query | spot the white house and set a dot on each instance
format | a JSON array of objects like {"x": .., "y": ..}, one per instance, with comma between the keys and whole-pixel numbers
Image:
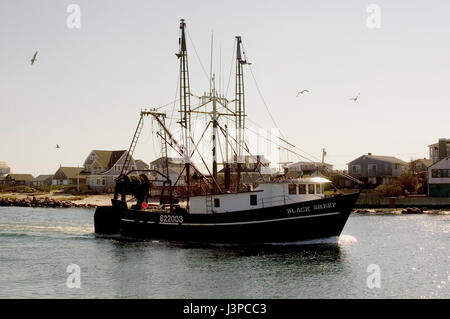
[{"x": 439, "y": 178}]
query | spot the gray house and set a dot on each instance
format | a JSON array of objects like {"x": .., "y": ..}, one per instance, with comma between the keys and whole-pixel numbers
[
  {"x": 43, "y": 180},
  {"x": 376, "y": 170},
  {"x": 102, "y": 167}
]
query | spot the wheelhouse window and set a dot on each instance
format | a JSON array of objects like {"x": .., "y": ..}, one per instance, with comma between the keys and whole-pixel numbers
[
  {"x": 310, "y": 188},
  {"x": 253, "y": 200},
  {"x": 216, "y": 202},
  {"x": 318, "y": 189},
  {"x": 302, "y": 189},
  {"x": 292, "y": 189}
]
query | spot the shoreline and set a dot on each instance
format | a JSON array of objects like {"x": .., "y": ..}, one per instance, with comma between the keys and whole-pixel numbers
[
  {"x": 62, "y": 200},
  {"x": 59, "y": 200}
]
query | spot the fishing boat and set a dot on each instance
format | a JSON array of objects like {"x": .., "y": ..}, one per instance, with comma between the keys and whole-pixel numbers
[{"x": 205, "y": 205}]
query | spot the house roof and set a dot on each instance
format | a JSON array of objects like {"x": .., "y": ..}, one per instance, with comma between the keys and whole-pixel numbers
[
  {"x": 140, "y": 164},
  {"x": 388, "y": 159},
  {"x": 107, "y": 158},
  {"x": 43, "y": 177},
  {"x": 308, "y": 163},
  {"x": 71, "y": 172},
  {"x": 171, "y": 160},
  {"x": 424, "y": 161},
  {"x": 444, "y": 159},
  {"x": 21, "y": 177}
]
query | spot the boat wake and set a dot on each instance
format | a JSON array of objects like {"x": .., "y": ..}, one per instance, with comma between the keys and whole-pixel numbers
[
  {"x": 347, "y": 240},
  {"x": 68, "y": 229},
  {"x": 340, "y": 240}
]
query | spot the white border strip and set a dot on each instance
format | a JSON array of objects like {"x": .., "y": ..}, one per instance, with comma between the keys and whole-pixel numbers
[{"x": 238, "y": 223}]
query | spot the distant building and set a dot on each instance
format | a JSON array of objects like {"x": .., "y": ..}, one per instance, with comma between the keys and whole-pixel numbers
[
  {"x": 419, "y": 165},
  {"x": 253, "y": 168},
  {"x": 308, "y": 168},
  {"x": 102, "y": 167},
  {"x": 69, "y": 176},
  {"x": 439, "y": 178},
  {"x": 18, "y": 179},
  {"x": 439, "y": 150},
  {"x": 43, "y": 180},
  {"x": 175, "y": 166},
  {"x": 376, "y": 170},
  {"x": 141, "y": 165},
  {"x": 4, "y": 169}
]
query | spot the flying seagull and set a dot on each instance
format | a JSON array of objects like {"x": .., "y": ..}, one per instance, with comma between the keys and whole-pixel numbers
[
  {"x": 354, "y": 99},
  {"x": 302, "y": 91},
  {"x": 57, "y": 146},
  {"x": 34, "y": 58}
]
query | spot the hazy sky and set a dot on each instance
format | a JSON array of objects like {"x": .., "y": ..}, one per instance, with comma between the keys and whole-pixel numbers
[{"x": 88, "y": 85}]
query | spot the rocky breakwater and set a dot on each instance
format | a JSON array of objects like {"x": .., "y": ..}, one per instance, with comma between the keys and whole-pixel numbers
[
  {"x": 409, "y": 210},
  {"x": 41, "y": 202}
]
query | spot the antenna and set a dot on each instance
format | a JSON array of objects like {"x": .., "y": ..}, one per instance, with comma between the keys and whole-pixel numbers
[{"x": 211, "y": 64}]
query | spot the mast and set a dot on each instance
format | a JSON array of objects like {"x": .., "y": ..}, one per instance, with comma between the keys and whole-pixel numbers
[
  {"x": 214, "y": 134},
  {"x": 239, "y": 107},
  {"x": 185, "y": 103}
]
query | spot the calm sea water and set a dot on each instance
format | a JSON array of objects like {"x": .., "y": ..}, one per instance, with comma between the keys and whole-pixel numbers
[{"x": 37, "y": 244}]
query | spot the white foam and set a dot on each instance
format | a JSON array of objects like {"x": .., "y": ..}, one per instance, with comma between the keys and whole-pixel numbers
[
  {"x": 66, "y": 229},
  {"x": 347, "y": 240}
]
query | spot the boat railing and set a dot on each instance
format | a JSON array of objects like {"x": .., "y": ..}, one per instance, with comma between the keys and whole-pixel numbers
[{"x": 275, "y": 200}]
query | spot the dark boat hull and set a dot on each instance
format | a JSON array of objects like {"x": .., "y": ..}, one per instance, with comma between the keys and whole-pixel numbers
[{"x": 281, "y": 224}]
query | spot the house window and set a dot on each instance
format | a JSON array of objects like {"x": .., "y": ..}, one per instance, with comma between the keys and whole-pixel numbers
[
  {"x": 440, "y": 173},
  {"x": 216, "y": 202},
  {"x": 310, "y": 188},
  {"x": 302, "y": 189},
  {"x": 372, "y": 169},
  {"x": 292, "y": 189},
  {"x": 253, "y": 200},
  {"x": 356, "y": 169},
  {"x": 98, "y": 181}
]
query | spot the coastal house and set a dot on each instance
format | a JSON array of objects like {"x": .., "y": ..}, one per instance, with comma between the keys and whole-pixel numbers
[
  {"x": 69, "y": 176},
  {"x": 439, "y": 178},
  {"x": 18, "y": 179},
  {"x": 43, "y": 180},
  {"x": 419, "y": 165},
  {"x": 175, "y": 166},
  {"x": 102, "y": 167},
  {"x": 376, "y": 170},
  {"x": 439, "y": 150},
  {"x": 300, "y": 169},
  {"x": 253, "y": 168},
  {"x": 4, "y": 169}
]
